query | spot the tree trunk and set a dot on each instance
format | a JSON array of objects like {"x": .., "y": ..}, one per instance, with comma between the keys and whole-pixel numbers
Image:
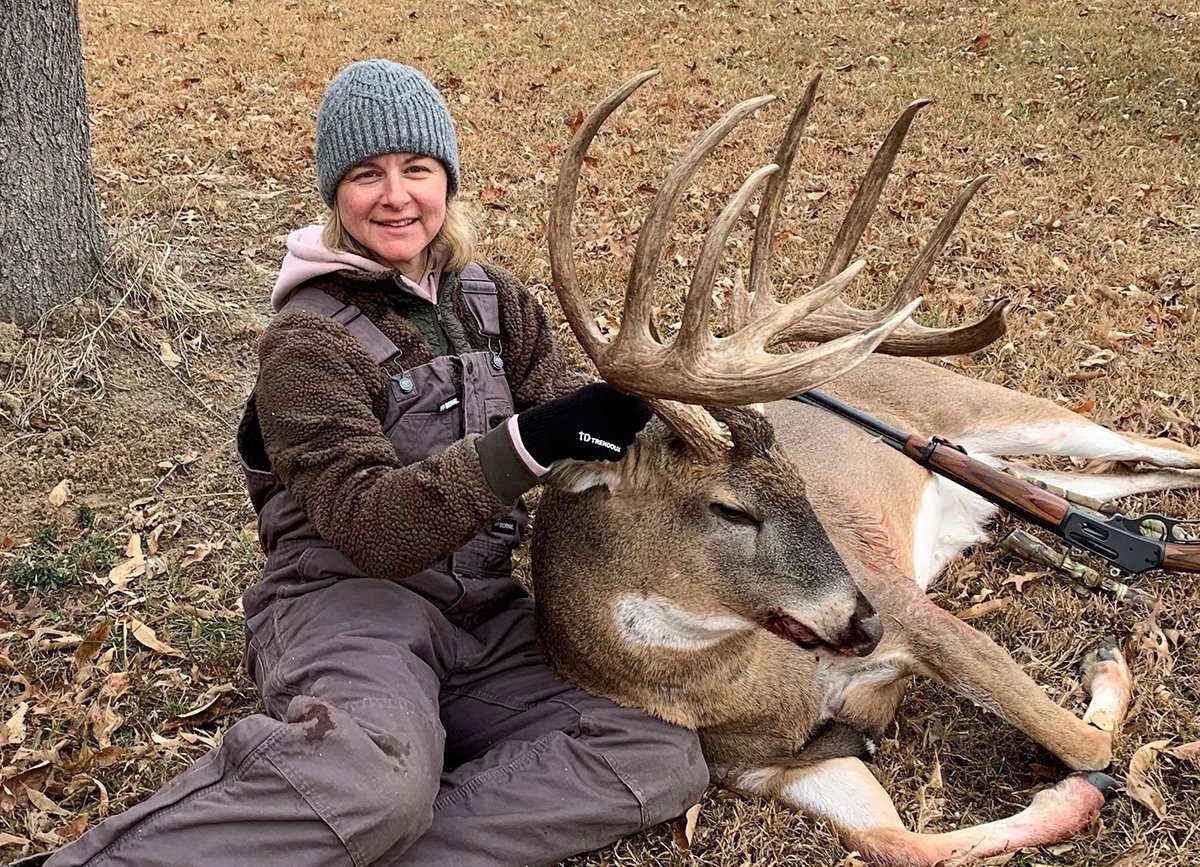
[{"x": 51, "y": 240}]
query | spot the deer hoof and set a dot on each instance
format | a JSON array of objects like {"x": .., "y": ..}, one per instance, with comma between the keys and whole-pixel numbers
[
  {"x": 1106, "y": 784},
  {"x": 1107, "y": 648},
  {"x": 1106, "y": 657}
]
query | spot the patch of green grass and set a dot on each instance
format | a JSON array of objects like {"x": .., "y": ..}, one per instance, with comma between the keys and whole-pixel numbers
[
  {"x": 94, "y": 552},
  {"x": 45, "y": 565},
  {"x": 40, "y": 566}
]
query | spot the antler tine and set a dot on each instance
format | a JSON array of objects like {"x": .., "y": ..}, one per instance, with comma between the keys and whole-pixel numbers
[
  {"x": 558, "y": 229},
  {"x": 867, "y": 197},
  {"x": 775, "y": 377},
  {"x": 764, "y": 331},
  {"x": 635, "y": 323},
  {"x": 910, "y": 338},
  {"x": 837, "y": 318},
  {"x": 694, "y": 335},
  {"x": 768, "y": 213}
]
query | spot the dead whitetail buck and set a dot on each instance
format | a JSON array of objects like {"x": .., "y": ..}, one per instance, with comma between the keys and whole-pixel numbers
[{"x": 757, "y": 573}]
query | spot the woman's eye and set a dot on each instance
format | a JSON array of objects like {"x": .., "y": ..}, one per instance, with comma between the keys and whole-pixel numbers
[{"x": 734, "y": 515}]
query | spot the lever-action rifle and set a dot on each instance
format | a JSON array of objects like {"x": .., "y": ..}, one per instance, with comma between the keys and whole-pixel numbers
[{"x": 1131, "y": 545}]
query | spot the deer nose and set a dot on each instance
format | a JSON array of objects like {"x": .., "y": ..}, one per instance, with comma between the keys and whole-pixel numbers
[{"x": 863, "y": 632}]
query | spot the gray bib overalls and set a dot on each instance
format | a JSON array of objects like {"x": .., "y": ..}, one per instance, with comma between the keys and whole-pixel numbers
[{"x": 411, "y": 721}]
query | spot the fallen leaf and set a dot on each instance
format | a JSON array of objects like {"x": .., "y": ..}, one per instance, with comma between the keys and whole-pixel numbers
[
  {"x": 45, "y": 638},
  {"x": 195, "y": 554},
  {"x": 683, "y": 829},
  {"x": 76, "y": 826},
  {"x": 61, "y": 493},
  {"x": 131, "y": 568},
  {"x": 980, "y": 43},
  {"x": 43, "y": 802},
  {"x": 14, "y": 729},
  {"x": 30, "y": 777},
  {"x": 92, "y": 644},
  {"x": 7, "y": 839},
  {"x": 1085, "y": 406},
  {"x": 80, "y": 781},
  {"x": 983, "y": 609},
  {"x": 213, "y": 704},
  {"x": 492, "y": 194},
  {"x": 147, "y": 638},
  {"x": 1187, "y": 752},
  {"x": 1019, "y": 581},
  {"x": 1134, "y": 857},
  {"x": 1098, "y": 359},
  {"x": 167, "y": 355},
  {"x": 1137, "y": 785}
]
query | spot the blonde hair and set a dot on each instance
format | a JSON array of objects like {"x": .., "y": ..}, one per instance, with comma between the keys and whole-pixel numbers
[{"x": 456, "y": 238}]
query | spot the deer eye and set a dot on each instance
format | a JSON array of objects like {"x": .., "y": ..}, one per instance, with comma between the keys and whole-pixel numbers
[{"x": 734, "y": 515}]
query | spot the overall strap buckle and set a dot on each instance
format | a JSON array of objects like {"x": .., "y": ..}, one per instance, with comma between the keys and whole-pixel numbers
[{"x": 479, "y": 294}]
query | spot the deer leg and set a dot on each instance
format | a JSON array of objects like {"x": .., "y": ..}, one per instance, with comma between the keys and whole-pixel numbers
[
  {"x": 1065, "y": 433},
  {"x": 1108, "y": 679},
  {"x": 973, "y": 665},
  {"x": 1114, "y": 485},
  {"x": 846, "y": 793}
]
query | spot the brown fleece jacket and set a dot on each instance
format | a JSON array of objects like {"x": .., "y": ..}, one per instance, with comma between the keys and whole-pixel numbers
[{"x": 320, "y": 399}]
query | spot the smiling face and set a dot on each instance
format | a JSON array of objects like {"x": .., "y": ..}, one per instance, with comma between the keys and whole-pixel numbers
[{"x": 394, "y": 205}]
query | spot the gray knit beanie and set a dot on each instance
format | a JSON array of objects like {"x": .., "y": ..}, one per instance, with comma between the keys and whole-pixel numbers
[{"x": 375, "y": 107}]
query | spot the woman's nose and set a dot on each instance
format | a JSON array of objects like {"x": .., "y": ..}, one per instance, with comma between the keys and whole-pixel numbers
[{"x": 395, "y": 191}]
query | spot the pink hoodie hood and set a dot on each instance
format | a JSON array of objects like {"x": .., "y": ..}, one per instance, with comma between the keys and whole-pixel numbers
[{"x": 308, "y": 257}]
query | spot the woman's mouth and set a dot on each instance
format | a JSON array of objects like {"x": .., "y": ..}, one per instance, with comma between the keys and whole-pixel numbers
[{"x": 396, "y": 224}]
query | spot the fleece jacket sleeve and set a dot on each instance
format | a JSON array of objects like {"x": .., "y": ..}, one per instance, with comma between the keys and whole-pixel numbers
[{"x": 319, "y": 398}]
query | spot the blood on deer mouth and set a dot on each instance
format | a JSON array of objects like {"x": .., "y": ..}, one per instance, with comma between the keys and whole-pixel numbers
[{"x": 790, "y": 629}]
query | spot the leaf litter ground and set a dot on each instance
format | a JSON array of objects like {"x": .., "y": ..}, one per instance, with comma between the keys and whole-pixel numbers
[{"x": 120, "y": 632}]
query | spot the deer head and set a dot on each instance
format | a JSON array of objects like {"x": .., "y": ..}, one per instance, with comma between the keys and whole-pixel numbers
[{"x": 703, "y": 531}]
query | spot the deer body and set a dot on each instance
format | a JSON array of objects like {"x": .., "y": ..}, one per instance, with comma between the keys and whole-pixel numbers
[
  {"x": 626, "y": 610},
  {"x": 758, "y": 574}
]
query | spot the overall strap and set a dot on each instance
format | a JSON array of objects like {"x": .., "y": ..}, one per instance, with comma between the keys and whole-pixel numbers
[
  {"x": 375, "y": 342},
  {"x": 479, "y": 293}
]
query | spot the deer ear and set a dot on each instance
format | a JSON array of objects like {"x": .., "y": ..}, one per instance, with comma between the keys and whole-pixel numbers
[{"x": 575, "y": 477}]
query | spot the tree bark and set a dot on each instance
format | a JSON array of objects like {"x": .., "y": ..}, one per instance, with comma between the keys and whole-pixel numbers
[{"x": 51, "y": 239}]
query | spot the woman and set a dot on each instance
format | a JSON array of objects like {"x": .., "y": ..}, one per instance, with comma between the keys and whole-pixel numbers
[{"x": 411, "y": 717}]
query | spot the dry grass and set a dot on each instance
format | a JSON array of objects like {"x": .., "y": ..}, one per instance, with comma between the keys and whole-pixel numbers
[{"x": 1085, "y": 116}]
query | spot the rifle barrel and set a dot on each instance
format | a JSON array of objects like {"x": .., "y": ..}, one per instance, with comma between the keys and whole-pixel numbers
[{"x": 893, "y": 436}]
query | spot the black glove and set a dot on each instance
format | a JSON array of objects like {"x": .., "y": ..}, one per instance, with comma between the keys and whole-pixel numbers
[{"x": 592, "y": 423}]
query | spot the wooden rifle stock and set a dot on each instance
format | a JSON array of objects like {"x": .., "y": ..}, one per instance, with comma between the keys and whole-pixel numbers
[
  {"x": 1028, "y": 501},
  {"x": 1182, "y": 558}
]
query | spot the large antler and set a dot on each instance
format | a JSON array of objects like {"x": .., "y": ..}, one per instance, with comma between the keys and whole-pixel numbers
[
  {"x": 698, "y": 368},
  {"x": 837, "y": 318}
]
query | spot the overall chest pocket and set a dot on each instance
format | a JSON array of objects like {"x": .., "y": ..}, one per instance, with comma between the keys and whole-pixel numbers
[{"x": 425, "y": 411}]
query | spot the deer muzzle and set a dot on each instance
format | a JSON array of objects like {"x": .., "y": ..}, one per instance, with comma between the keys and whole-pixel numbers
[
  {"x": 862, "y": 632},
  {"x": 857, "y": 636}
]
